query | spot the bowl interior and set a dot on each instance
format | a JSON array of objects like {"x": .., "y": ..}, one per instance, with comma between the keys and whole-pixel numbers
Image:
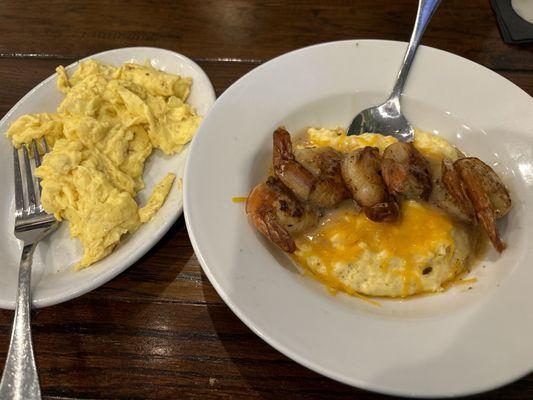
[
  {"x": 340, "y": 336},
  {"x": 338, "y": 110}
]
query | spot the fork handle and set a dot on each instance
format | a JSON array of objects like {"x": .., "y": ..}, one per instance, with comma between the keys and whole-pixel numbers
[
  {"x": 20, "y": 380},
  {"x": 426, "y": 8}
]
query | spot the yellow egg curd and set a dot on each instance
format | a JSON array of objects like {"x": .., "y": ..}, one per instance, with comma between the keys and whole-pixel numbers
[{"x": 102, "y": 133}]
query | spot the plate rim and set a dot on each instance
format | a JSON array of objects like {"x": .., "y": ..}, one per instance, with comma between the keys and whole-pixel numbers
[
  {"x": 242, "y": 315},
  {"x": 165, "y": 227}
]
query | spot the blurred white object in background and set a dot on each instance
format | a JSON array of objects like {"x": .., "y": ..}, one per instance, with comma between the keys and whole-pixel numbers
[{"x": 524, "y": 8}]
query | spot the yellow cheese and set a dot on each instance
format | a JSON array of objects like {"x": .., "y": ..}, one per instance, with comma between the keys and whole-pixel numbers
[
  {"x": 338, "y": 139},
  {"x": 346, "y": 235},
  {"x": 419, "y": 253}
]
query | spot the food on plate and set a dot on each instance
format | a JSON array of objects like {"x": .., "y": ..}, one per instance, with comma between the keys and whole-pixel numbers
[
  {"x": 102, "y": 133},
  {"x": 370, "y": 215},
  {"x": 455, "y": 189},
  {"x": 418, "y": 253},
  {"x": 157, "y": 198},
  {"x": 405, "y": 171},
  {"x": 490, "y": 198},
  {"x": 278, "y": 214},
  {"x": 361, "y": 170},
  {"x": 312, "y": 174}
]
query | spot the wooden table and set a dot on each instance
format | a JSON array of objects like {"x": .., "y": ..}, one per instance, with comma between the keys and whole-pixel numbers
[{"x": 160, "y": 330}]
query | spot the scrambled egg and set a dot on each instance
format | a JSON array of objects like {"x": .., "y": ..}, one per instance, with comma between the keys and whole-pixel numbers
[
  {"x": 419, "y": 253},
  {"x": 103, "y": 131}
]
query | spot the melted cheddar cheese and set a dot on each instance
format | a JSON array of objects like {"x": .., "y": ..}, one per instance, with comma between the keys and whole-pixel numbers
[
  {"x": 416, "y": 254},
  {"x": 338, "y": 139}
]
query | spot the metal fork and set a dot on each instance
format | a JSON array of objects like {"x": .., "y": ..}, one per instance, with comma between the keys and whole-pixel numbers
[{"x": 20, "y": 379}]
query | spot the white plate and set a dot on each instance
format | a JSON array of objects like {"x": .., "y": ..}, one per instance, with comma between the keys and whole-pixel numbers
[
  {"x": 458, "y": 342},
  {"x": 53, "y": 278}
]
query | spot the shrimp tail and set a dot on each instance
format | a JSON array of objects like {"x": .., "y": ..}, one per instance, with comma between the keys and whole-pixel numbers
[
  {"x": 299, "y": 180},
  {"x": 487, "y": 219},
  {"x": 282, "y": 146},
  {"x": 456, "y": 188},
  {"x": 483, "y": 207},
  {"x": 265, "y": 221}
]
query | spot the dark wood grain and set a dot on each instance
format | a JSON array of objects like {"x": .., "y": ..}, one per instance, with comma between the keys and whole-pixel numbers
[
  {"x": 19, "y": 75},
  {"x": 257, "y": 30},
  {"x": 159, "y": 330}
]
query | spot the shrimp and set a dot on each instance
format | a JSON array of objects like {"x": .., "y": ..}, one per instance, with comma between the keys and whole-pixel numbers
[
  {"x": 278, "y": 214},
  {"x": 361, "y": 170},
  {"x": 405, "y": 171},
  {"x": 491, "y": 183},
  {"x": 489, "y": 196},
  {"x": 325, "y": 165},
  {"x": 312, "y": 174},
  {"x": 456, "y": 188},
  {"x": 287, "y": 169},
  {"x": 443, "y": 199}
]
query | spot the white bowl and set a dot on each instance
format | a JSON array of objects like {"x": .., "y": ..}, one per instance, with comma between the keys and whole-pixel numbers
[
  {"x": 455, "y": 343},
  {"x": 53, "y": 278}
]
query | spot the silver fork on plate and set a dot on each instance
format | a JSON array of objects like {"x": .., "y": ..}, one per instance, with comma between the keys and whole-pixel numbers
[
  {"x": 387, "y": 118},
  {"x": 20, "y": 379}
]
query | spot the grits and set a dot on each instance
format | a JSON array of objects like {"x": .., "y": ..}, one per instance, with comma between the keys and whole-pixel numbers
[{"x": 417, "y": 254}]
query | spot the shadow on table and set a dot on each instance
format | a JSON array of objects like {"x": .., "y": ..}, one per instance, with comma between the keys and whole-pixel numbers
[{"x": 153, "y": 273}]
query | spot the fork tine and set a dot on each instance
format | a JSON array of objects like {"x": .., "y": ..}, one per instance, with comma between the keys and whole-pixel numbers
[
  {"x": 19, "y": 200},
  {"x": 29, "y": 181},
  {"x": 45, "y": 146},
  {"x": 36, "y": 154},
  {"x": 37, "y": 158}
]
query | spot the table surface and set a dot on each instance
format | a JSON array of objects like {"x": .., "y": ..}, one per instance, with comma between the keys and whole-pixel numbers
[{"x": 160, "y": 330}]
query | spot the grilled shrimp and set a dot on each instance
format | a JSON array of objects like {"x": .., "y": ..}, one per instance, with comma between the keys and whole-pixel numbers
[
  {"x": 405, "y": 171},
  {"x": 489, "y": 196},
  {"x": 325, "y": 165},
  {"x": 313, "y": 174},
  {"x": 278, "y": 214},
  {"x": 443, "y": 199},
  {"x": 456, "y": 188},
  {"x": 491, "y": 183},
  {"x": 361, "y": 170}
]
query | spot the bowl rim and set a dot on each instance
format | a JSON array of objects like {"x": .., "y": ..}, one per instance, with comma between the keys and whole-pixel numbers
[{"x": 242, "y": 315}]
